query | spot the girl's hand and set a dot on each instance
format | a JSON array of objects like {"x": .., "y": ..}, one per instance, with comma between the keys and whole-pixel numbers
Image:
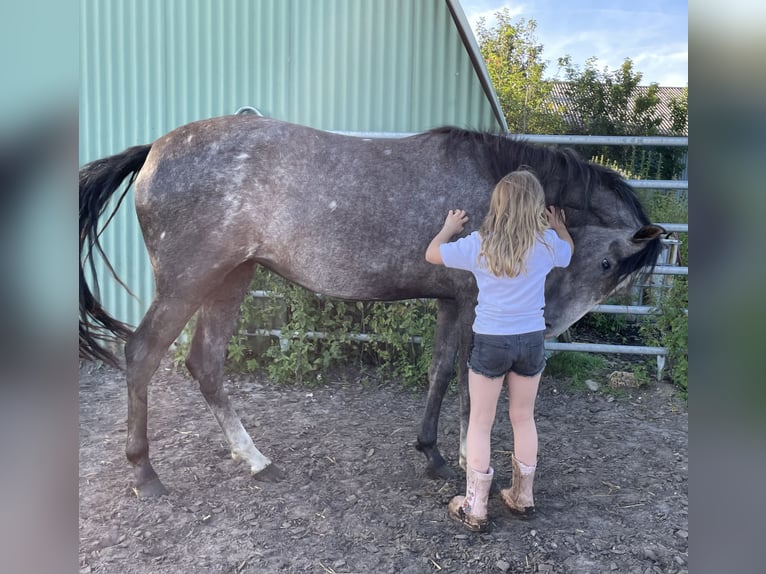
[
  {"x": 455, "y": 221},
  {"x": 453, "y": 225},
  {"x": 557, "y": 220},
  {"x": 556, "y": 217}
]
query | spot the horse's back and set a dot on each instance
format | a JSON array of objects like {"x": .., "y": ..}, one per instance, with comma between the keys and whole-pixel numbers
[{"x": 346, "y": 216}]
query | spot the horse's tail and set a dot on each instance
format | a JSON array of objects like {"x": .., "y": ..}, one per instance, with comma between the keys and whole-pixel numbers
[{"x": 99, "y": 180}]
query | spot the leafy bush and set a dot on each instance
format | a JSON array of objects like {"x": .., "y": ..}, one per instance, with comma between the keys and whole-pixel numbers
[
  {"x": 670, "y": 328},
  {"x": 317, "y": 333}
]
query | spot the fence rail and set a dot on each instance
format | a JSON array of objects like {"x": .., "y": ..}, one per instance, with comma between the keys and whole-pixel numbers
[{"x": 671, "y": 141}]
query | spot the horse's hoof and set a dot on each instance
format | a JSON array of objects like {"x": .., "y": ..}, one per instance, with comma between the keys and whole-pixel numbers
[
  {"x": 150, "y": 489},
  {"x": 271, "y": 473},
  {"x": 437, "y": 467},
  {"x": 440, "y": 472}
]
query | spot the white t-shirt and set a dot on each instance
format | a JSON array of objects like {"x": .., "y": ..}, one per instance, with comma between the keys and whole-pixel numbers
[{"x": 509, "y": 305}]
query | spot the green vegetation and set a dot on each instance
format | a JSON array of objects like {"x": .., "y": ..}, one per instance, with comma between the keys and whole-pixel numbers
[
  {"x": 670, "y": 328},
  {"x": 577, "y": 367},
  {"x": 317, "y": 335}
]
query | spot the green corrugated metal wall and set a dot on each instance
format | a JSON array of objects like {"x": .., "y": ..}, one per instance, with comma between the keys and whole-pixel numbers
[{"x": 148, "y": 66}]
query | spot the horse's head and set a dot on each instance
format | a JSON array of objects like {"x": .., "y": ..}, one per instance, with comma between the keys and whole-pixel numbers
[{"x": 605, "y": 259}]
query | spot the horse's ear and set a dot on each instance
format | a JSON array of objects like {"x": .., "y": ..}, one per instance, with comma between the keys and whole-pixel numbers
[{"x": 647, "y": 233}]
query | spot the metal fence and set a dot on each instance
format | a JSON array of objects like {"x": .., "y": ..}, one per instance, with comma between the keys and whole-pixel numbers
[{"x": 667, "y": 265}]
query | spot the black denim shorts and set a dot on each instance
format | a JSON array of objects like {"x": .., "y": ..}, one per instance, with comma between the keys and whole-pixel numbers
[{"x": 494, "y": 355}]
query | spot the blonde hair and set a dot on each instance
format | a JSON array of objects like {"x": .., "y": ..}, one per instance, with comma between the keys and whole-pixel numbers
[{"x": 515, "y": 220}]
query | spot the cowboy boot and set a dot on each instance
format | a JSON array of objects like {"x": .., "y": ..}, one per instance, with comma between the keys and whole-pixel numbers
[
  {"x": 471, "y": 510},
  {"x": 519, "y": 497}
]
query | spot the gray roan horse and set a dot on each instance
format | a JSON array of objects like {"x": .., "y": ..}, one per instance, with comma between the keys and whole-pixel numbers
[{"x": 342, "y": 216}]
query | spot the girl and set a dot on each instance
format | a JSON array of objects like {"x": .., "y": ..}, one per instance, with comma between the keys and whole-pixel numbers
[{"x": 517, "y": 245}]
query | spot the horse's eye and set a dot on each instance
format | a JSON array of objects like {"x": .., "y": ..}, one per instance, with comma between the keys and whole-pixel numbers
[{"x": 605, "y": 264}]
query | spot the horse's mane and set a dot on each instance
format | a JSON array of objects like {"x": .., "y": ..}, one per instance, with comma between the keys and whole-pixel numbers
[{"x": 501, "y": 154}]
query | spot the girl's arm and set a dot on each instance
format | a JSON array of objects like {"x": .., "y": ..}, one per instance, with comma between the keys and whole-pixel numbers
[{"x": 453, "y": 224}]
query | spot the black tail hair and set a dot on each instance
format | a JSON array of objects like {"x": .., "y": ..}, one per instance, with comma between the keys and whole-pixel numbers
[{"x": 99, "y": 180}]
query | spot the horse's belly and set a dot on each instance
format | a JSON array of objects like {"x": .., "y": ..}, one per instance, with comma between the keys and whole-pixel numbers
[{"x": 367, "y": 281}]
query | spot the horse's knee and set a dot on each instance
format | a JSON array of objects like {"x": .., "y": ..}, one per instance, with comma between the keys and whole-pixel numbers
[
  {"x": 210, "y": 385},
  {"x": 204, "y": 369},
  {"x": 193, "y": 364},
  {"x": 194, "y": 355},
  {"x": 441, "y": 369},
  {"x": 205, "y": 359}
]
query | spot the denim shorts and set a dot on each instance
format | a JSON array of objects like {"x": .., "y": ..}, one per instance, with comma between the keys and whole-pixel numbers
[{"x": 495, "y": 355}]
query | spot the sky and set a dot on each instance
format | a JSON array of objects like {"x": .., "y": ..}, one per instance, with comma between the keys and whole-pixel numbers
[{"x": 652, "y": 33}]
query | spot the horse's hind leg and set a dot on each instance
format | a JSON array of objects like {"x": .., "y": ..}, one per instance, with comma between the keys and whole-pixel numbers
[
  {"x": 144, "y": 350},
  {"x": 216, "y": 321}
]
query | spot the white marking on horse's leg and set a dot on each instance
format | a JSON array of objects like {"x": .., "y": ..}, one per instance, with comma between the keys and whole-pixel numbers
[{"x": 242, "y": 446}]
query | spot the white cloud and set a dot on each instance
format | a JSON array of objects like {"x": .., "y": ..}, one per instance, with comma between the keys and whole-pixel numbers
[{"x": 477, "y": 10}]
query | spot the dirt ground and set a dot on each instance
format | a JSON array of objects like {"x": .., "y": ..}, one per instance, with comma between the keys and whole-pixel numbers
[{"x": 611, "y": 488}]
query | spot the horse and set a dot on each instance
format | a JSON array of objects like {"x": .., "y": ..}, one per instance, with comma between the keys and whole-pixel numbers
[{"x": 343, "y": 216}]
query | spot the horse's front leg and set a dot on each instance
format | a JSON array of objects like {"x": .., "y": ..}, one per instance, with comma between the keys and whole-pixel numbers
[
  {"x": 216, "y": 321},
  {"x": 440, "y": 372}
]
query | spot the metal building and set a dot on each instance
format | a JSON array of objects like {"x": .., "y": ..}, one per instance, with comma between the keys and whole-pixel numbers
[{"x": 341, "y": 65}]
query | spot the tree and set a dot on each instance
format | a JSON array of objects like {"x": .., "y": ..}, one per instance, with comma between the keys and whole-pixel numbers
[
  {"x": 679, "y": 111},
  {"x": 514, "y": 62},
  {"x": 607, "y": 102}
]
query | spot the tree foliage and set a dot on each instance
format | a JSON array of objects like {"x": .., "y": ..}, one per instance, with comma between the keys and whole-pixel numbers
[
  {"x": 604, "y": 102},
  {"x": 600, "y": 101},
  {"x": 679, "y": 111},
  {"x": 514, "y": 62}
]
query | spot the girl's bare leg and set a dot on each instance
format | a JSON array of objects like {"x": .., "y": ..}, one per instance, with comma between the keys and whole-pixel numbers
[
  {"x": 522, "y": 392},
  {"x": 484, "y": 395}
]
